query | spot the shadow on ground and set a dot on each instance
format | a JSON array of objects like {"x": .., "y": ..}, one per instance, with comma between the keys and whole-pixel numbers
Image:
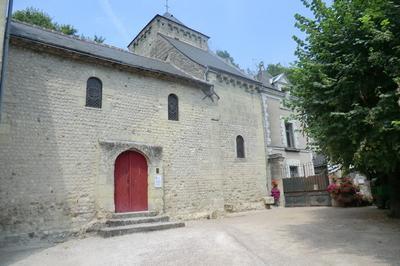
[
  {"x": 10, "y": 255},
  {"x": 350, "y": 231}
]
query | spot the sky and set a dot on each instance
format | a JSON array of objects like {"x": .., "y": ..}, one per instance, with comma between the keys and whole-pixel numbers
[{"x": 250, "y": 30}]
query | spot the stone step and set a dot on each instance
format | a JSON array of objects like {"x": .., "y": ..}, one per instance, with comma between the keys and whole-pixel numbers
[
  {"x": 138, "y": 228},
  {"x": 137, "y": 220},
  {"x": 123, "y": 215}
]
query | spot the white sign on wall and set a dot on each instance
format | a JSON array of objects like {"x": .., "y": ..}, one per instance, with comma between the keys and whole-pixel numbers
[{"x": 158, "y": 181}]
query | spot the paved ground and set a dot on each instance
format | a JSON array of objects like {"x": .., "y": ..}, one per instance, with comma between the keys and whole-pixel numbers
[{"x": 295, "y": 236}]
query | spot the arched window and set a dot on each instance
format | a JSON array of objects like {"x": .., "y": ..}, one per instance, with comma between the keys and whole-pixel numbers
[
  {"x": 240, "y": 147},
  {"x": 173, "y": 107},
  {"x": 94, "y": 92}
]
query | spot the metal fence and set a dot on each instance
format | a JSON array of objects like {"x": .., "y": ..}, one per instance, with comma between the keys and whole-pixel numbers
[
  {"x": 306, "y": 184},
  {"x": 300, "y": 170}
]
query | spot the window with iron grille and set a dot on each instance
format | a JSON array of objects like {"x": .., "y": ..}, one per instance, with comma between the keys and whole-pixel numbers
[
  {"x": 173, "y": 107},
  {"x": 240, "y": 147},
  {"x": 294, "y": 171},
  {"x": 94, "y": 93}
]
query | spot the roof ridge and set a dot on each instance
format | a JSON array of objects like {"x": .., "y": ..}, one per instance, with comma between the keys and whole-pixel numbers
[
  {"x": 170, "y": 16},
  {"x": 158, "y": 15},
  {"x": 74, "y": 37},
  {"x": 193, "y": 77},
  {"x": 55, "y": 39},
  {"x": 167, "y": 39},
  {"x": 212, "y": 54},
  {"x": 231, "y": 65}
]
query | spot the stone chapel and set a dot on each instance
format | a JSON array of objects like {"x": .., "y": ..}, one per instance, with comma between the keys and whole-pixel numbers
[{"x": 89, "y": 130}]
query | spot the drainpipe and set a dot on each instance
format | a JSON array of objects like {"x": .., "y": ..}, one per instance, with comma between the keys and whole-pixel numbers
[
  {"x": 265, "y": 123},
  {"x": 4, "y": 62}
]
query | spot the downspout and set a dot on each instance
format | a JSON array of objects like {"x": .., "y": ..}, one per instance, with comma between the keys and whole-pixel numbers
[
  {"x": 264, "y": 118},
  {"x": 4, "y": 62}
]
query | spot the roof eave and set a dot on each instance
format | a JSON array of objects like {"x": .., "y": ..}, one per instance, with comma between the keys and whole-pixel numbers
[
  {"x": 238, "y": 76},
  {"x": 210, "y": 67},
  {"x": 111, "y": 60}
]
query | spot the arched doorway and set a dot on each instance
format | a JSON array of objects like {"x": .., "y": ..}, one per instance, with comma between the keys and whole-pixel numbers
[{"x": 130, "y": 178}]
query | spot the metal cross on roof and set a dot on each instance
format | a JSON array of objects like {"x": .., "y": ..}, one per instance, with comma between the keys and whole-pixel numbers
[{"x": 166, "y": 5}]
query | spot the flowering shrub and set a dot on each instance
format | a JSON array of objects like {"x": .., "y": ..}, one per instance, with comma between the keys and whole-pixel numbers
[
  {"x": 346, "y": 194},
  {"x": 333, "y": 188}
]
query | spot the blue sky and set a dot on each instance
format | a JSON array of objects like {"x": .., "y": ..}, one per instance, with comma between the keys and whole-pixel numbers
[{"x": 250, "y": 30}]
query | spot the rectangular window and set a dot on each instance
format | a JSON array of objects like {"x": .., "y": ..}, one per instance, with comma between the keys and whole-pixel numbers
[
  {"x": 294, "y": 171},
  {"x": 289, "y": 135}
]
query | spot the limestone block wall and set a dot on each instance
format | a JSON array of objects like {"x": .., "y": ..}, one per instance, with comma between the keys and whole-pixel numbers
[
  {"x": 54, "y": 150},
  {"x": 144, "y": 41},
  {"x": 244, "y": 179},
  {"x": 3, "y": 16}
]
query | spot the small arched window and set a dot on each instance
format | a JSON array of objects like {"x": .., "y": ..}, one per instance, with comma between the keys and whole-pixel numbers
[
  {"x": 173, "y": 107},
  {"x": 94, "y": 91},
  {"x": 240, "y": 147}
]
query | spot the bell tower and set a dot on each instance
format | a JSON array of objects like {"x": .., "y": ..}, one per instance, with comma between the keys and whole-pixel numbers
[{"x": 167, "y": 25}]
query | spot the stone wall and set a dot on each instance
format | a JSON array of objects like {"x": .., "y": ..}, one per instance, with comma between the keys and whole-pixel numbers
[
  {"x": 3, "y": 16},
  {"x": 56, "y": 155},
  {"x": 146, "y": 38},
  {"x": 241, "y": 114},
  {"x": 163, "y": 50}
]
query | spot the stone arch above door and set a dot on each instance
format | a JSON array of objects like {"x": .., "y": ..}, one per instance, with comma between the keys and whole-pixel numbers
[
  {"x": 109, "y": 151},
  {"x": 131, "y": 182}
]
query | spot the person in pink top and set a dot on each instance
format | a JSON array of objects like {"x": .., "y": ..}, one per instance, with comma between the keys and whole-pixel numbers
[{"x": 275, "y": 193}]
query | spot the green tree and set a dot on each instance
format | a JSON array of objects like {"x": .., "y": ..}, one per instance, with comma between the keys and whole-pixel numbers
[
  {"x": 98, "y": 39},
  {"x": 225, "y": 55},
  {"x": 276, "y": 69},
  {"x": 37, "y": 17},
  {"x": 346, "y": 85},
  {"x": 34, "y": 16},
  {"x": 66, "y": 29}
]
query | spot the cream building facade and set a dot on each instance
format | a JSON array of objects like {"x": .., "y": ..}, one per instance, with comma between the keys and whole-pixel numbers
[{"x": 287, "y": 145}]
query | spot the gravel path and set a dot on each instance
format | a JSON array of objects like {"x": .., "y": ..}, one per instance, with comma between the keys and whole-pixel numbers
[{"x": 292, "y": 236}]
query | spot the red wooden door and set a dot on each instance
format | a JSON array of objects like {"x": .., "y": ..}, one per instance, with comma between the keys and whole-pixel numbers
[{"x": 130, "y": 175}]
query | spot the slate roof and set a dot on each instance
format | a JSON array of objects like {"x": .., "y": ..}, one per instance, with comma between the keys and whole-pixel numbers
[
  {"x": 206, "y": 58},
  {"x": 277, "y": 78},
  {"x": 174, "y": 19},
  {"x": 92, "y": 49},
  {"x": 265, "y": 78}
]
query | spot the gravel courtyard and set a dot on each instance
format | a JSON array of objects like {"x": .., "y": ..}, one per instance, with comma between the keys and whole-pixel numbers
[{"x": 292, "y": 236}]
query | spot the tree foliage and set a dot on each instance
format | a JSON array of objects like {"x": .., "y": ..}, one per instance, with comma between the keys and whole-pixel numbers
[
  {"x": 39, "y": 18},
  {"x": 276, "y": 69},
  {"x": 347, "y": 82},
  {"x": 226, "y": 55}
]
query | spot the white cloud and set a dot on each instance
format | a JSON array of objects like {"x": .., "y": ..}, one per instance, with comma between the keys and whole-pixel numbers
[{"x": 107, "y": 8}]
